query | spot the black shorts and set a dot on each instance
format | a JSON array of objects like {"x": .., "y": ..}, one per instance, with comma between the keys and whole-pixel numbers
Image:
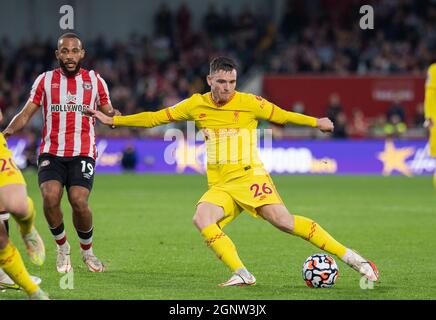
[{"x": 70, "y": 171}]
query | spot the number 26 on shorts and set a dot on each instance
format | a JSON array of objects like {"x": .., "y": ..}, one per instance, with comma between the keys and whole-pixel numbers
[{"x": 258, "y": 190}]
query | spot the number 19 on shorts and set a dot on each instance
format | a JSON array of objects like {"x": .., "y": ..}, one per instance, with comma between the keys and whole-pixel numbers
[{"x": 87, "y": 169}]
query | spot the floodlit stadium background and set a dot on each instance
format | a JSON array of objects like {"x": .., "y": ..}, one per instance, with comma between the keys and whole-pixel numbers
[{"x": 306, "y": 56}]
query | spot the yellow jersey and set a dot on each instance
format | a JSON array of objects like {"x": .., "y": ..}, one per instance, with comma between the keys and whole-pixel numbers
[
  {"x": 430, "y": 93},
  {"x": 9, "y": 172},
  {"x": 430, "y": 105},
  {"x": 3, "y": 143},
  {"x": 229, "y": 129}
]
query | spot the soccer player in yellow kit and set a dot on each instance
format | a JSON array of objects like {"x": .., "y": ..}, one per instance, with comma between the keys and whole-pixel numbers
[
  {"x": 430, "y": 110},
  {"x": 14, "y": 199},
  {"x": 236, "y": 177}
]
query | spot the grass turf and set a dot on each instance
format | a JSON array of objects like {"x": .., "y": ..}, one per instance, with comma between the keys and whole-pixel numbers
[{"x": 143, "y": 231}]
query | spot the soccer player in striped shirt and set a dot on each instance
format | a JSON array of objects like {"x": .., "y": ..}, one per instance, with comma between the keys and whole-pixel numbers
[
  {"x": 68, "y": 151},
  {"x": 237, "y": 178}
]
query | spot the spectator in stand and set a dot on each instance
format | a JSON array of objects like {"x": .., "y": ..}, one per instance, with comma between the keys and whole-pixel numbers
[
  {"x": 341, "y": 127},
  {"x": 163, "y": 21},
  {"x": 212, "y": 21},
  {"x": 334, "y": 107},
  {"x": 397, "y": 109},
  {"x": 419, "y": 116},
  {"x": 395, "y": 128},
  {"x": 359, "y": 125}
]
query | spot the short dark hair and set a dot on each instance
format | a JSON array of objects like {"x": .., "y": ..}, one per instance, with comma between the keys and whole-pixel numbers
[
  {"x": 222, "y": 63},
  {"x": 69, "y": 35}
]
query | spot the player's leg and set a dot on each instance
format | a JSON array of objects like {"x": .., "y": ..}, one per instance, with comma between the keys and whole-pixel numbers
[
  {"x": 434, "y": 179},
  {"x": 14, "y": 199},
  {"x": 12, "y": 263},
  {"x": 79, "y": 186},
  {"x": 205, "y": 219},
  {"x": 5, "y": 281},
  {"x": 82, "y": 220},
  {"x": 52, "y": 191},
  {"x": 214, "y": 210},
  {"x": 432, "y": 142},
  {"x": 279, "y": 216},
  {"x": 52, "y": 177}
]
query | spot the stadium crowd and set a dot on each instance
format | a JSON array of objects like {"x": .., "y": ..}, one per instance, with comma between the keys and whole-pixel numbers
[{"x": 145, "y": 73}]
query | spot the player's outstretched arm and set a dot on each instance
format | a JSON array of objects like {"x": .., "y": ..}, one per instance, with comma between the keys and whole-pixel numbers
[
  {"x": 21, "y": 119},
  {"x": 278, "y": 115},
  {"x": 142, "y": 119}
]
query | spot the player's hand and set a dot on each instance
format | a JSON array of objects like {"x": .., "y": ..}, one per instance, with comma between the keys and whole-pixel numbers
[
  {"x": 100, "y": 116},
  {"x": 428, "y": 123},
  {"x": 117, "y": 112},
  {"x": 1, "y": 116},
  {"x": 325, "y": 125}
]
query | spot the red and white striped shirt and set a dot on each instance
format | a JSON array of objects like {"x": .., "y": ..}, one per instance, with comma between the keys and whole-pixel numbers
[{"x": 67, "y": 131}]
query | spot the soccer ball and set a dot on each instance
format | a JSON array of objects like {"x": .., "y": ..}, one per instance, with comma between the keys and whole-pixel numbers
[{"x": 320, "y": 271}]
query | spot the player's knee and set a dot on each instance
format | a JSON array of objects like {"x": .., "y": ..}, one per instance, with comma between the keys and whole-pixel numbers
[
  {"x": 207, "y": 214},
  {"x": 198, "y": 221},
  {"x": 17, "y": 207},
  {"x": 51, "y": 197},
  {"x": 202, "y": 219},
  {"x": 281, "y": 219},
  {"x": 79, "y": 204},
  {"x": 51, "y": 201}
]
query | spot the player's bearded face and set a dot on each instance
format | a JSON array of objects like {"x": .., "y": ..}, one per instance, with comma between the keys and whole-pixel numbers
[
  {"x": 70, "y": 55},
  {"x": 222, "y": 85},
  {"x": 70, "y": 67}
]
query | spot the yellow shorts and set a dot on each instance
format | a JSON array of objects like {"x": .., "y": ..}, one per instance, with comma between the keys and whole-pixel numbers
[
  {"x": 9, "y": 172},
  {"x": 245, "y": 193},
  {"x": 432, "y": 141}
]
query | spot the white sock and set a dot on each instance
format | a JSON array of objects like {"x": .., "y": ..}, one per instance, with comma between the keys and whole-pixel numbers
[
  {"x": 64, "y": 247},
  {"x": 89, "y": 251},
  {"x": 4, "y": 277}
]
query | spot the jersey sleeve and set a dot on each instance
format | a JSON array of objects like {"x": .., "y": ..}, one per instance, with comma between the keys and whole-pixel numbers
[
  {"x": 102, "y": 92},
  {"x": 181, "y": 110},
  {"x": 175, "y": 113},
  {"x": 267, "y": 110},
  {"x": 430, "y": 93},
  {"x": 37, "y": 93}
]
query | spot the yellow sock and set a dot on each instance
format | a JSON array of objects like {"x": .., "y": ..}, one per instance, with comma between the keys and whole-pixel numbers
[
  {"x": 311, "y": 231},
  {"x": 12, "y": 264},
  {"x": 223, "y": 247},
  {"x": 26, "y": 223}
]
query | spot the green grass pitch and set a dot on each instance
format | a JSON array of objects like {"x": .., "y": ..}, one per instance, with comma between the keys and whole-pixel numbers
[{"x": 144, "y": 233}]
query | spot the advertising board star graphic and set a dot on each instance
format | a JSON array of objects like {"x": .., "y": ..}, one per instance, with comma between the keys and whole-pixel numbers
[{"x": 395, "y": 159}]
